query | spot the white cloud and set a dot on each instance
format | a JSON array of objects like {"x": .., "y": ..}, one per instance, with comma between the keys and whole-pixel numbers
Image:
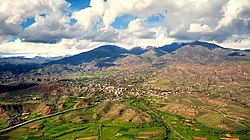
[
  {"x": 135, "y": 25},
  {"x": 159, "y": 38},
  {"x": 184, "y": 16},
  {"x": 136, "y": 28},
  {"x": 87, "y": 17},
  {"x": 50, "y": 28},
  {"x": 106, "y": 12},
  {"x": 62, "y": 48},
  {"x": 14, "y": 12},
  {"x": 115, "y": 8},
  {"x": 4, "y": 39},
  {"x": 212, "y": 20},
  {"x": 231, "y": 10},
  {"x": 40, "y": 49},
  {"x": 199, "y": 28},
  {"x": 237, "y": 42}
]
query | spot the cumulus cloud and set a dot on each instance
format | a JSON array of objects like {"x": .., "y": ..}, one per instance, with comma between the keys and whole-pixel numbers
[
  {"x": 15, "y": 12},
  {"x": 89, "y": 16},
  {"x": 29, "y": 49},
  {"x": 136, "y": 28},
  {"x": 231, "y": 10},
  {"x": 4, "y": 39},
  {"x": 226, "y": 22},
  {"x": 199, "y": 28},
  {"x": 48, "y": 29},
  {"x": 237, "y": 41}
]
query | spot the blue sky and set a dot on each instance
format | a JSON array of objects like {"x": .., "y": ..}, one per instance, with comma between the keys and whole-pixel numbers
[
  {"x": 79, "y": 4},
  {"x": 76, "y": 5},
  {"x": 120, "y": 22}
]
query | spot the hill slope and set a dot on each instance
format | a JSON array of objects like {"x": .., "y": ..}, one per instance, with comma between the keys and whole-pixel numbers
[{"x": 98, "y": 53}]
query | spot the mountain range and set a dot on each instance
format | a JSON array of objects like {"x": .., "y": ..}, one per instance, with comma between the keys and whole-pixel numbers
[{"x": 117, "y": 57}]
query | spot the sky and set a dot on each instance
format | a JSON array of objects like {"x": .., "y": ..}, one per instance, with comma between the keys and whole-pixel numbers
[{"x": 65, "y": 27}]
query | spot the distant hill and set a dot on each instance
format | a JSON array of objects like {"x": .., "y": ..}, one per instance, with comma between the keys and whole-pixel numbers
[
  {"x": 23, "y": 60},
  {"x": 18, "y": 65},
  {"x": 95, "y": 54}
]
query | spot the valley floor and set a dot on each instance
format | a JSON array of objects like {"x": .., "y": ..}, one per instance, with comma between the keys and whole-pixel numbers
[{"x": 173, "y": 102}]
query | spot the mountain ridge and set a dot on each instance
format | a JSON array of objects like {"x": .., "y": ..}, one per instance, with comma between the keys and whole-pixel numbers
[
  {"x": 114, "y": 56},
  {"x": 114, "y": 51}
]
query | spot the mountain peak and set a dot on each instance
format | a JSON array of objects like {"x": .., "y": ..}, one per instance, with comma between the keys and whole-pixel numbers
[
  {"x": 95, "y": 54},
  {"x": 176, "y": 45},
  {"x": 150, "y": 47},
  {"x": 111, "y": 48},
  {"x": 137, "y": 50},
  {"x": 210, "y": 46}
]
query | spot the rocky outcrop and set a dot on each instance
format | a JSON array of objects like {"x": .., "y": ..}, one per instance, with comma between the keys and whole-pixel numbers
[
  {"x": 17, "y": 108},
  {"x": 1, "y": 110},
  {"x": 132, "y": 115},
  {"x": 80, "y": 104},
  {"x": 125, "y": 113},
  {"x": 61, "y": 107},
  {"x": 116, "y": 111},
  {"x": 44, "y": 109}
]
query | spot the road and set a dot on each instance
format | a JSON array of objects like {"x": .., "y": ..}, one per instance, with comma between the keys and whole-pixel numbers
[
  {"x": 168, "y": 125},
  {"x": 36, "y": 119},
  {"x": 99, "y": 132}
]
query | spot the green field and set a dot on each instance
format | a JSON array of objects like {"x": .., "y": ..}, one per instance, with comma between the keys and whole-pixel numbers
[{"x": 91, "y": 75}]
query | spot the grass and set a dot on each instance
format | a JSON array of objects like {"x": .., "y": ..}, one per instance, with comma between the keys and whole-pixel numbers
[
  {"x": 130, "y": 132},
  {"x": 2, "y": 125},
  {"x": 162, "y": 83},
  {"x": 89, "y": 132},
  {"x": 20, "y": 133},
  {"x": 153, "y": 132},
  {"x": 189, "y": 129},
  {"x": 217, "y": 121},
  {"x": 7, "y": 103},
  {"x": 59, "y": 127},
  {"x": 192, "y": 101},
  {"x": 31, "y": 101},
  {"x": 91, "y": 75},
  {"x": 69, "y": 105},
  {"x": 178, "y": 123},
  {"x": 201, "y": 129},
  {"x": 211, "y": 120},
  {"x": 109, "y": 133}
]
